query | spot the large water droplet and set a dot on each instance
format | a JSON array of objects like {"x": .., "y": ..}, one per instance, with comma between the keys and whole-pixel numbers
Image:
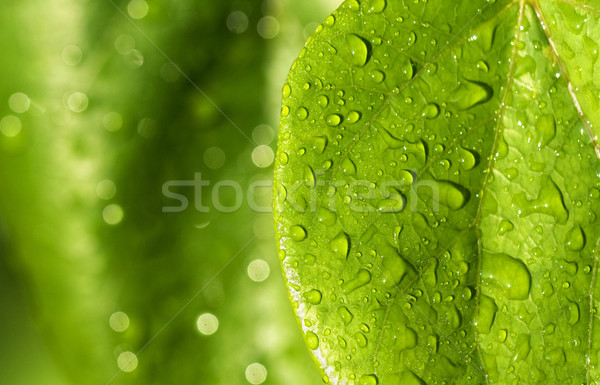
[
  {"x": 353, "y": 117},
  {"x": 326, "y": 216},
  {"x": 298, "y": 233},
  {"x": 358, "y": 50},
  {"x": 369, "y": 379},
  {"x": 505, "y": 227},
  {"x": 287, "y": 91},
  {"x": 333, "y": 120},
  {"x": 467, "y": 158},
  {"x": 393, "y": 204},
  {"x": 430, "y": 111},
  {"x": 345, "y": 315},
  {"x": 550, "y": 201},
  {"x": 312, "y": 341},
  {"x": 302, "y": 113},
  {"x": 360, "y": 339},
  {"x": 487, "y": 313},
  {"x": 375, "y": 6},
  {"x": 573, "y": 313},
  {"x": 377, "y": 76},
  {"x": 329, "y": 21},
  {"x": 320, "y": 143},
  {"x": 340, "y": 245},
  {"x": 310, "y": 179},
  {"x": 522, "y": 347},
  {"x": 362, "y": 278},
  {"x": 575, "y": 239},
  {"x": 452, "y": 195},
  {"x": 348, "y": 166},
  {"x": 506, "y": 275},
  {"x": 546, "y": 129},
  {"x": 470, "y": 94},
  {"x": 313, "y": 297}
]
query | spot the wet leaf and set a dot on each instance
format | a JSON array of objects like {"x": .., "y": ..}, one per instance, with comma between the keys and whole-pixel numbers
[{"x": 459, "y": 172}]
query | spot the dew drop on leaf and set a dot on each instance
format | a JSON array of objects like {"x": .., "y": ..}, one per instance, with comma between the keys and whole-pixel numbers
[
  {"x": 369, "y": 379},
  {"x": 487, "y": 314},
  {"x": 334, "y": 120},
  {"x": 358, "y": 50},
  {"x": 345, "y": 315},
  {"x": 313, "y": 297},
  {"x": 340, "y": 245},
  {"x": 374, "y": 6},
  {"x": 312, "y": 341},
  {"x": 505, "y": 275},
  {"x": 470, "y": 94},
  {"x": 575, "y": 239},
  {"x": 431, "y": 111},
  {"x": 298, "y": 233},
  {"x": 362, "y": 278},
  {"x": 326, "y": 216},
  {"x": 545, "y": 127},
  {"x": 353, "y": 117}
]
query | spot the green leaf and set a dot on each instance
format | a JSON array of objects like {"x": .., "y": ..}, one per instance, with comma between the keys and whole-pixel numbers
[{"x": 438, "y": 192}]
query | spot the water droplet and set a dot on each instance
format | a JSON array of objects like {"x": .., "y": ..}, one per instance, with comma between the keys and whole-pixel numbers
[
  {"x": 302, "y": 113},
  {"x": 452, "y": 195},
  {"x": 334, "y": 120},
  {"x": 287, "y": 91},
  {"x": 310, "y": 180},
  {"x": 550, "y": 201},
  {"x": 298, "y": 233},
  {"x": 360, "y": 339},
  {"x": 501, "y": 148},
  {"x": 467, "y": 158},
  {"x": 323, "y": 101},
  {"x": 353, "y": 117},
  {"x": 369, "y": 379},
  {"x": 506, "y": 275},
  {"x": 573, "y": 313},
  {"x": 326, "y": 216},
  {"x": 348, "y": 166},
  {"x": 395, "y": 203},
  {"x": 505, "y": 227},
  {"x": 285, "y": 111},
  {"x": 312, "y": 341},
  {"x": 502, "y": 334},
  {"x": 470, "y": 94},
  {"x": 313, "y": 297},
  {"x": 375, "y": 6},
  {"x": 576, "y": 239},
  {"x": 320, "y": 143},
  {"x": 487, "y": 313},
  {"x": 345, "y": 315},
  {"x": 329, "y": 21},
  {"x": 412, "y": 38},
  {"x": 408, "y": 70},
  {"x": 546, "y": 129},
  {"x": 358, "y": 50},
  {"x": 522, "y": 347},
  {"x": 340, "y": 245},
  {"x": 377, "y": 76},
  {"x": 362, "y": 278},
  {"x": 482, "y": 66},
  {"x": 431, "y": 111}
]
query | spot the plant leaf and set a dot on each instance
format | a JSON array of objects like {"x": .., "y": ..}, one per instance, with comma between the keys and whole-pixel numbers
[{"x": 437, "y": 192}]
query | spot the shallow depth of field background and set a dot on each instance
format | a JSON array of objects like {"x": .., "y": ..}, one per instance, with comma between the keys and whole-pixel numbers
[{"x": 104, "y": 277}]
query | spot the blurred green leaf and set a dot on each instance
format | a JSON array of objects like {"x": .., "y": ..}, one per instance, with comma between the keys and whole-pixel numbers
[{"x": 438, "y": 192}]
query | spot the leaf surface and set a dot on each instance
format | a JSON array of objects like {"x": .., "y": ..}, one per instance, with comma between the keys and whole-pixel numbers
[{"x": 437, "y": 192}]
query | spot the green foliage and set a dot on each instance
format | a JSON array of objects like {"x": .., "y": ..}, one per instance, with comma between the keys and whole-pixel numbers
[{"x": 438, "y": 192}]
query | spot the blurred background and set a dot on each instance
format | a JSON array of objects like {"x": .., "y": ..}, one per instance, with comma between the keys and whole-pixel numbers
[{"x": 137, "y": 140}]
